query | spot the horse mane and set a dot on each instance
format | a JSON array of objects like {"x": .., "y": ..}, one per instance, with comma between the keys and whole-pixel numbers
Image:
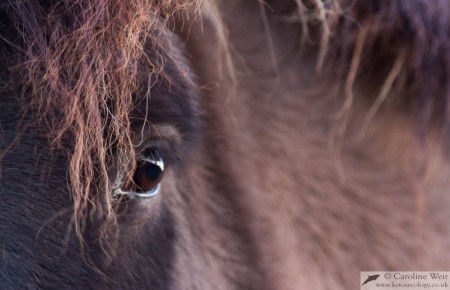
[{"x": 78, "y": 60}]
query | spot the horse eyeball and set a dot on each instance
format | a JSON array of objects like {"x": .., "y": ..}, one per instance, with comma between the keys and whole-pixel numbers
[{"x": 149, "y": 173}]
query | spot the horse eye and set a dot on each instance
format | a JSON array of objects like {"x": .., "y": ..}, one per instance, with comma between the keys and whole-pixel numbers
[
  {"x": 148, "y": 174},
  {"x": 146, "y": 178}
]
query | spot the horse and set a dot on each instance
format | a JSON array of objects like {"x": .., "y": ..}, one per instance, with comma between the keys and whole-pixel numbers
[{"x": 222, "y": 144}]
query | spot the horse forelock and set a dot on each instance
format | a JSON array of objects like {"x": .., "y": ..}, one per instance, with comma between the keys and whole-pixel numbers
[{"x": 77, "y": 68}]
